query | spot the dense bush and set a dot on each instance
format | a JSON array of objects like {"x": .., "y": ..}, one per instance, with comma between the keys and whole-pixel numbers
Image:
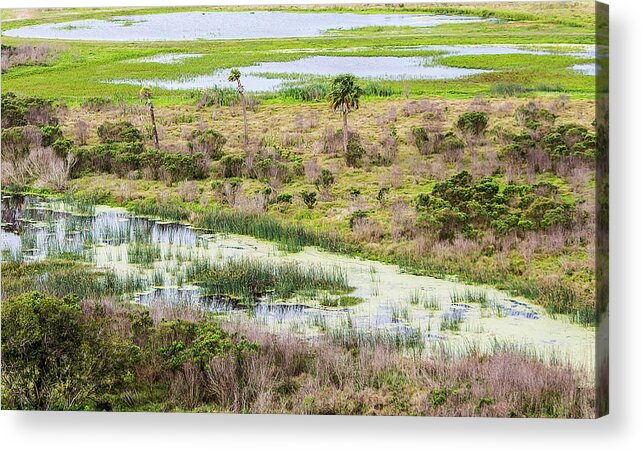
[
  {"x": 16, "y": 141},
  {"x": 460, "y": 205},
  {"x": 232, "y": 165},
  {"x": 532, "y": 116},
  {"x": 55, "y": 357},
  {"x": 355, "y": 153},
  {"x": 50, "y": 134},
  {"x": 60, "y": 354},
  {"x": 119, "y": 132},
  {"x": 436, "y": 142},
  {"x": 122, "y": 158},
  {"x": 422, "y": 140},
  {"x": 284, "y": 198},
  {"x": 569, "y": 139},
  {"x": 208, "y": 141},
  {"x": 325, "y": 179},
  {"x": 473, "y": 122},
  {"x": 22, "y": 111},
  {"x": 309, "y": 198},
  {"x": 62, "y": 146}
]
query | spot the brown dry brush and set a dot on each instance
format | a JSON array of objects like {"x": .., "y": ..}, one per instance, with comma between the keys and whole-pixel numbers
[{"x": 288, "y": 375}]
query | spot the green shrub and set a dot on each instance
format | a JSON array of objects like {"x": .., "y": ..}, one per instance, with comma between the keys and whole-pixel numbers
[
  {"x": 422, "y": 140},
  {"x": 197, "y": 343},
  {"x": 355, "y": 153},
  {"x": 232, "y": 165},
  {"x": 356, "y": 215},
  {"x": 22, "y": 111},
  {"x": 325, "y": 179},
  {"x": 118, "y": 132},
  {"x": 309, "y": 198},
  {"x": 461, "y": 205},
  {"x": 450, "y": 142},
  {"x": 532, "y": 116},
  {"x": 122, "y": 158},
  {"x": 208, "y": 141},
  {"x": 50, "y": 134},
  {"x": 62, "y": 146},
  {"x": 54, "y": 357},
  {"x": 284, "y": 198},
  {"x": 473, "y": 122},
  {"x": 15, "y": 145}
]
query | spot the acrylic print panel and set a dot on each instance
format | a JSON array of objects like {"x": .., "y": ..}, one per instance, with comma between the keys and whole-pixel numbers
[{"x": 355, "y": 209}]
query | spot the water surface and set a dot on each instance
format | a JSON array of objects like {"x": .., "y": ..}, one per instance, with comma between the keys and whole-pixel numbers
[
  {"x": 395, "y": 304},
  {"x": 187, "y": 26},
  {"x": 374, "y": 67}
]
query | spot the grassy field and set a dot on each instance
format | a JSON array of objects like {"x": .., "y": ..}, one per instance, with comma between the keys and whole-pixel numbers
[{"x": 82, "y": 68}]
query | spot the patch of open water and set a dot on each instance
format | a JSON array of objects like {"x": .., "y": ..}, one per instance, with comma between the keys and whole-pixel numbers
[
  {"x": 368, "y": 67},
  {"x": 33, "y": 229},
  {"x": 188, "y": 26},
  {"x": 375, "y": 67}
]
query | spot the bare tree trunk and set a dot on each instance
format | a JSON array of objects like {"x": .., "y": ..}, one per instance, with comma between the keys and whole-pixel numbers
[
  {"x": 243, "y": 104},
  {"x": 345, "y": 130},
  {"x": 154, "y": 131}
]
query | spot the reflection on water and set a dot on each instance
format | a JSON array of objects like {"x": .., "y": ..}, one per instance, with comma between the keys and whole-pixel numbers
[
  {"x": 187, "y": 26},
  {"x": 396, "y": 306}
]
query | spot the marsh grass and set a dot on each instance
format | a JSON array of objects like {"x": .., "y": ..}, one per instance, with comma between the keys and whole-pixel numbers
[
  {"x": 342, "y": 301},
  {"x": 250, "y": 279},
  {"x": 430, "y": 302},
  {"x": 291, "y": 237},
  {"x": 401, "y": 339},
  {"x": 144, "y": 254},
  {"x": 470, "y": 296},
  {"x": 62, "y": 277},
  {"x": 451, "y": 322}
]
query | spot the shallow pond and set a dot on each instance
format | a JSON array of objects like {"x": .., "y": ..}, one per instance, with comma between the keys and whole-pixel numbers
[
  {"x": 376, "y": 67},
  {"x": 269, "y": 76},
  {"x": 186, "y": 26},
  {"x": 442, "y": 314},
  {"x": 586, "y": 69}
]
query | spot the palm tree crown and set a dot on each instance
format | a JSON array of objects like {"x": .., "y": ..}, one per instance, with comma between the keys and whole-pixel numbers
[
  {"x": 145, "y": 93},
  {"x": 344, "y": 94},
  {"x": 235, "y": 75}
]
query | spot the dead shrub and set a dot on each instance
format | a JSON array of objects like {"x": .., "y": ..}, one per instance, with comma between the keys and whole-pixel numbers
[
  {"x": 188, "y": 191},
  {"x": 367, "y": 229},
  {"x": 402, "y": 220},
  {"x": 81, "y": 132}
]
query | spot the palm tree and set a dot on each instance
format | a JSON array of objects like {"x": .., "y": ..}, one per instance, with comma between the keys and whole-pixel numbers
[
  {"x": 344, "y": 97},
  {"x": 146, "y": 95},
  {"x": 235, "y": 76}
]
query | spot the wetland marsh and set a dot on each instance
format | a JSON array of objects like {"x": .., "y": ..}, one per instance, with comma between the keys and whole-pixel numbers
[{"x": 315, "y": 210}]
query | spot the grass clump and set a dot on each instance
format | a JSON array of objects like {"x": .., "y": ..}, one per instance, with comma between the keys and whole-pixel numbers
[
  {"x": 342, "y": 301},
  {"x": 144, "y": 254},
  {"x": 251, "y": 279},
  {"x": 470, "y": 296}
]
